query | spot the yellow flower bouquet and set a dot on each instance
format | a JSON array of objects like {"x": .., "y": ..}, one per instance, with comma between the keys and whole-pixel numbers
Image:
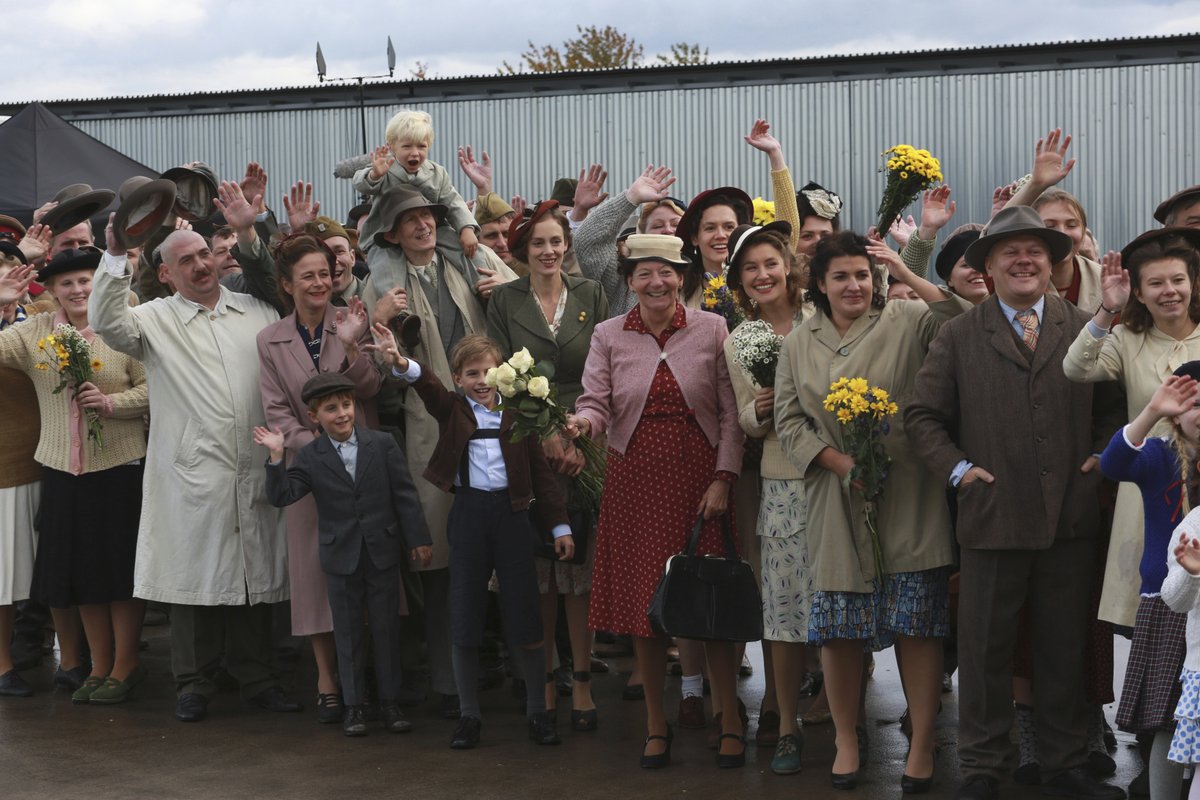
[
  {"x": 863, "y": 411},
  {"x": 718, "y": 298},
  {"x": 764, "y": 211},
  {"x": 66, "y": 352},
  {"x": 525, "y": 389},
  {"x": 909, "y": 172}
]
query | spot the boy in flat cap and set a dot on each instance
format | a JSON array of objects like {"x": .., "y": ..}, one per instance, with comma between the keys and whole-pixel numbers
[{"x": 368, "y": 510}]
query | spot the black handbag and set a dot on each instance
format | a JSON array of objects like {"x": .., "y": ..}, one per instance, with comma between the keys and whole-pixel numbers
[{"x": 708, "y": 597}]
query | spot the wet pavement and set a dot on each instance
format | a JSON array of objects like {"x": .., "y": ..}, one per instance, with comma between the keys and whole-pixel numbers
[{"x": 50, "y": 748}]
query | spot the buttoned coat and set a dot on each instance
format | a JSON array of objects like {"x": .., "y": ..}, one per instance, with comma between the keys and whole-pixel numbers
[
  {"x": 515, "y": 320},
  {"x": 1140, "y": 362},
  {"x": 378, "y": 506},
  {"x": 208, "y": 536},
  {"x": 285, "y": 367},
  {"x": 886, "y": 347},
  {"x": 420, "y": 429},
  {"x": 983, "y": 397},
  {"x": 621, "y": 367}
]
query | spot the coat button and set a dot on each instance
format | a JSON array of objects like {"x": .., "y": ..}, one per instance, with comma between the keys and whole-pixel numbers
[
  {"x": 237, "y": 529},
  {"x": 212, "y": 316},
  {"x": 1045, "y": 472},
  {"x": 845, "y": 351}
]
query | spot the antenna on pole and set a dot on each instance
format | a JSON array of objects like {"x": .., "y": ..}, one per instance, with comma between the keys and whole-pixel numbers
[
  {"x": 321, "y": 64},
  {"x": 391, "y": 54}
]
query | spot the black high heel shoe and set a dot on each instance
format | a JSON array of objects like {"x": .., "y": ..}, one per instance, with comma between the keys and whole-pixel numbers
[
  {"x": 731, "y": 760},
  {"x": 910, "y": 785},
  {"x": 844, "y": 780},
  {"x": 662, "y": 759},
  {"x": 585, "y": 721}
]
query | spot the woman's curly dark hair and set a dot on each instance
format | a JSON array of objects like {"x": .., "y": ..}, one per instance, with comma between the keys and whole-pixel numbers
[{"x": 842, "y": 243}]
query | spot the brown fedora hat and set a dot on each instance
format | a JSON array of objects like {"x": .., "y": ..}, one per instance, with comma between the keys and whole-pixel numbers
[
  {"x": 1164, "y": 208},
  {"x": 145, "y": 205},
  {"x": 1016, "y": 221},
  {"x": 196, "y": 188},
  {"x": 76, "y": 203},
  {"x": 396, "y": 202}
]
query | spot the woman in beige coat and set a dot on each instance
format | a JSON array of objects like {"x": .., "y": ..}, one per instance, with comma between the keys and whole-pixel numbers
[
  {"x": 1153, "y": 286},
  {"x": 854, "y": 335}
]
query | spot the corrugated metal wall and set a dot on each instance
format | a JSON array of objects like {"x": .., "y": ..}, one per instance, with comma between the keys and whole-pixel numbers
[{"x": 1134, "y": 135}]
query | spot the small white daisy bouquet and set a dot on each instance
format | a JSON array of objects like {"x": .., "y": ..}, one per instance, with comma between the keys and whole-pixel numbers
[
  {"x": 756, "y": 348},
  {"x": 526, "y": 391}
]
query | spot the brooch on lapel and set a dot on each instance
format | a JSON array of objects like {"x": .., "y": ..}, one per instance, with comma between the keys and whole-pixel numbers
[{"x": 582, "y": 316}]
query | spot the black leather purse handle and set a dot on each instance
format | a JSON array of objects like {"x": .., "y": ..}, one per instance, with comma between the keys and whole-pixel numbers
[{"x": 694, "y": 541}]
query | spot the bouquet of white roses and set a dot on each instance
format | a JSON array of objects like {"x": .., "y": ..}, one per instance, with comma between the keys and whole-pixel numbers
[
  {"x": 525, "y": 389},
  {"x": 756, "y": 348}
]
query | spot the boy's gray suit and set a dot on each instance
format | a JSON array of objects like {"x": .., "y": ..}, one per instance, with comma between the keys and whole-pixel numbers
[{"x": 366, "y": 524}]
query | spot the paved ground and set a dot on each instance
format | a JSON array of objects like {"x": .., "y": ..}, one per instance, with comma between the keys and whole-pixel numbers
[{"x": 51, "y": 749}]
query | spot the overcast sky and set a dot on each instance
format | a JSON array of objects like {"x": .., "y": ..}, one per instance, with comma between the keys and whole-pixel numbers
[{"x": 60, "y": 49}]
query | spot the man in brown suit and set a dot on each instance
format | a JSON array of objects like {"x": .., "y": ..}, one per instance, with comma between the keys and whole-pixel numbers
[{"x": 994, "y": 413}]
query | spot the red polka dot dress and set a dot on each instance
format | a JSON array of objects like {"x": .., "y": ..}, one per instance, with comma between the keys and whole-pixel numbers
[{"x": 648, "y": 509}]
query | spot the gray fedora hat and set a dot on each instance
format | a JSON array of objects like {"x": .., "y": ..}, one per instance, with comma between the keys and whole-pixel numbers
[
  {"x": 396, "y": 202},
  {"x": 76, "y": 203},
  {"x": 1016, "y": 221},
  {"x": 145, "y": 205}
]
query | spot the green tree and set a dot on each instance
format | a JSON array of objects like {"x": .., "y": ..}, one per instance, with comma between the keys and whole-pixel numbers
[{"x": 597, "y": 48}]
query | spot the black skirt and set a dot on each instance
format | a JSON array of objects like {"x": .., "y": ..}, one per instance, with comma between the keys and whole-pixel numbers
[{"x": 87, "y": 536}]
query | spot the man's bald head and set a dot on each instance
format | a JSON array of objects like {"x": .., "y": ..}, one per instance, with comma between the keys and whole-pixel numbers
[{"x": 189, "y": 265}]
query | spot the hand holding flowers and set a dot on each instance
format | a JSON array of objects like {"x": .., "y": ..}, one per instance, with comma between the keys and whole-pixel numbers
[
  {"x": 909, "y": 172},
  {"x": 66, "y": 352}
]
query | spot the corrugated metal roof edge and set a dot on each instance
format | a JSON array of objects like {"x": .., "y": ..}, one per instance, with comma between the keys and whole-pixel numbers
[{"x": 1062, "y": 48}]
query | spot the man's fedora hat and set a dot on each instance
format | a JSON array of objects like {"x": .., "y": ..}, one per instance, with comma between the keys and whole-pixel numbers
[
  {"x": 1164, "y": 208},
  {"x": 196, "y": 188},
  {"x": 397, "y": 202},
  {"x": 76, "y": 203},
  {"x": 70, "y": 261},
  {"x": 145, "y": 205},
  {"x": 1016, "y": 221}
]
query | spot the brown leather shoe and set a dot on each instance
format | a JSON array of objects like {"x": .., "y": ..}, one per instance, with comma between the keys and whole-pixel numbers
[{"x": 691, "y": 713}]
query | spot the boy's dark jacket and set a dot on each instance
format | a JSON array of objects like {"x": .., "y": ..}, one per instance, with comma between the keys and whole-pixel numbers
[
  {"x": 529, "y": 474},
  {"x": 379, "y": 505}
]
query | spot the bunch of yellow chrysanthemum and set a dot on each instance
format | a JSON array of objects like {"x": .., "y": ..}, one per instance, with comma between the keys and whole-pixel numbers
[
  {"x": 863, "y": 411},
  {"x": 764, "y": 211},
  {"x": 909, "y": 172},
  {"x": 69, "y": 354}
]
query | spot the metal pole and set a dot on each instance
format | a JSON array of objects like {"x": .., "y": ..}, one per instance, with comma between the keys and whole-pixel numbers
[{"x": 362, "y": 110}]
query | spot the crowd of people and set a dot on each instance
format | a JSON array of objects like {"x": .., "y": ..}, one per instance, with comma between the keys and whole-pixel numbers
[{"x": 1041, "y": 454}]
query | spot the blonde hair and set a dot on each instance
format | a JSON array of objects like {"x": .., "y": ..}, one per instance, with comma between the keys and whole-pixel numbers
[
  {"x": 1183, "y": 456},
  {"x": 409, "y": 125}
]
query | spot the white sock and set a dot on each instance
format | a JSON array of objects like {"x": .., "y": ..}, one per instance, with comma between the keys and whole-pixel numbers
[{"x": 692, "y": 686}]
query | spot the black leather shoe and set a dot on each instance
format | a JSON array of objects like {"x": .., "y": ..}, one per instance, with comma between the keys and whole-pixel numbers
[
  {"x": 450, "y": 707},
  {"x": 329, "y": 708},
  {"x": 1100, "y": 764},
  {"x": 393, "y": 718},
  {"x": 843, "y": 780},
  {"x": 191, "y": 707},
  {"x": 466, "y": 734},
  {"x": 661, "y": 759},
  {"x": 13, "y": 685},
  {"x": 731, "y": 760},
  {"x": 273, "y": 699},
  {"x": 1079, "y": 784},
  {"x": 980, "y": 787},
  {"x": 355, "y": 724},
  {"x": 71, "y": 679},
  {"x": 542, "y": 729},
  {"x": 915, "y": 785}
]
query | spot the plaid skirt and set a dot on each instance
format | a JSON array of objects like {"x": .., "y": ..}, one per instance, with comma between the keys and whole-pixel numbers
[{"x": 1151, "y": 689}]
